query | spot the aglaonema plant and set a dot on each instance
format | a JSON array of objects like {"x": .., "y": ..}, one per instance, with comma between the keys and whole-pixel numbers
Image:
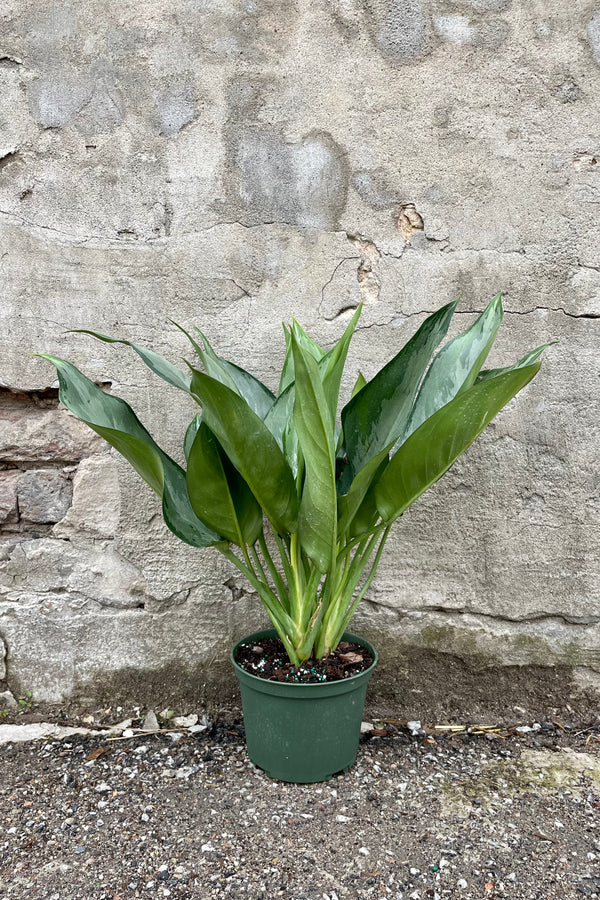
[{"x": 300, "y": 503}]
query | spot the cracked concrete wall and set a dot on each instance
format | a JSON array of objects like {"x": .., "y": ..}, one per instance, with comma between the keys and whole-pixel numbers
[{"x": 231, "y": 165}]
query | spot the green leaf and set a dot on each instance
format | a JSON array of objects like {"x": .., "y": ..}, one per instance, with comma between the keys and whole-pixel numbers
[
  {"x": 378, "y": 414},
  {"x": 332, "y": 364},
  {"x": 441, "y": 439},
  {"x": 287, "y": 370},
  {"x": 367, "y": 514},
  {"x": 190, "y": 433},
  {"x": 350, "y": 502},
  {"x": 178, "y": 513},
  {"x": 315, "y": 428},
  {"x": 114, "y": 420},
  {"x": 308, "y": 345},
  {"x": 257, "y": 395},
  {"x": 218, "y": 493},
  {"x": 280, "y": 413},
  {"x": 358, "y": 384},
  {"x": 159, "y": 365},
  {"x": 527, "y": 360},
  {"x": 251, "y": 448},
  {"x": 456, "y": 366},
  {"x": 279, "y": 419}
]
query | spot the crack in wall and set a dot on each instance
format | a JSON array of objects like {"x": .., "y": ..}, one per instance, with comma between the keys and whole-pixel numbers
[
  {"x": 7, "y": 158},
  {"x": 535, "y": 618},
  {"x": 345, "y": 306},
  {"x": 10, "y": 62}
]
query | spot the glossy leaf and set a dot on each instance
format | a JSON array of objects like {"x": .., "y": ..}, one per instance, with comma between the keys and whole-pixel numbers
[
  {"x": 527, "y": 360},
  {"x": 456, "y": 366},
  {"x": 178, "y": 513},
  {"x": 280, "y": 413},
  {"x": 159, "y": 365},
  {"x": 379, "y": 413},
  {"x": 114, "y": 420},
  {"x": 190, "y": 433},
  {"x": 358, "y": 384},
  {"x": 325, "y": 490},
  {"x": 279, "y": 419},
  {"x": 350, "y": 502},
  {"x": 280, "y": 422},
  {"x": 218, "y": 493},
  {"x": 307, "y": 344},
  {"x": 315, "y": 428},
  {"x": 258, "y": 397},
  {"x": 432, "y": 448},
  {"x": 332, "y": 364},
  {"x": 251, "y": 448},
  {"x": 367, "y": 514}
]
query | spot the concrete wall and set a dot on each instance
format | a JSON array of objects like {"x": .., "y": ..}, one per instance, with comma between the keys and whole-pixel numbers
[{"x": 231, "y": 164}]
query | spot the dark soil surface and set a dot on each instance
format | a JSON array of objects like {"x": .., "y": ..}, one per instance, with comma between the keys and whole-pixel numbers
[
  {"x": 425, "y": 814},
  {"x": 269, "y": 660}
]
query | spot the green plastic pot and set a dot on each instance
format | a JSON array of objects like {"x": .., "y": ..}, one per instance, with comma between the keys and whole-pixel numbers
[{"x": 302, "y": 732}]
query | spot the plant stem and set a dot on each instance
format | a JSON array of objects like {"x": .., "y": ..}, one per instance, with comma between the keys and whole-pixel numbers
[
  {"x": 285, "y": 560},
  {"x": 350, "y": 612},
  {"x": 297, "y": 577},
  {"x": 257, "y": 564},
  {"x": 347, "y": 549},
  {"x": 284, "y": 625},
  {"x": 280, "y": 586},
  {"x": 335, "y": 617}
]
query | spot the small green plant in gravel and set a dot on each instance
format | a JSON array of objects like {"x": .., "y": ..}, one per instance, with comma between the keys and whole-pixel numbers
[
  {"x": 299, "y": 501},
  {"x": 26, "y": 702}
]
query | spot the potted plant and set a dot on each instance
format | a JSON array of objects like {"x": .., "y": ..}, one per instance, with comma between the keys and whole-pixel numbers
[{"x": 302, "y": 504}]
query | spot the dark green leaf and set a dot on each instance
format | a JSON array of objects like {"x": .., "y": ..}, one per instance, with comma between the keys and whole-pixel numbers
[
  {"x": 527, "y": 360},
  {"x": 114, "y": 420},
  {"x": 159, "y": 365},
  {"x": 190, "y": 434},
  {"x": 367, "y": 514},
  {"x": 350, "y": 502},
  {"x": 251, "y": 448},
  {"x": 218, "y": 493},
  {"x": 258, "y": 397},
  {"x": 315, "y": 428},
  {"x": 456, "y": 366},
  {"x": 378, "y": 413},
  {"x": 432, "y": 448},
  {"x": 178, "y": 512}
]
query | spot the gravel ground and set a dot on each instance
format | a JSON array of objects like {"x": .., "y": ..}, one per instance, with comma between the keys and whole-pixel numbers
[{"x": 429, "y": 814}]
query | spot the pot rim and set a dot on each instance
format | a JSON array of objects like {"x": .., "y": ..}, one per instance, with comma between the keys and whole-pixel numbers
[{"x": 298, "y": 686}]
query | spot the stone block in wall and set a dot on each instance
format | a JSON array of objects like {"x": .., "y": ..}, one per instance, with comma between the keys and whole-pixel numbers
[
  {"x": 44, "y": 495},
  {"x": 7, "y": 701},
  {"x": 8, "y": 497},
  {"x": 96, "y": 503},
  {"x": 30, "y": 434}
]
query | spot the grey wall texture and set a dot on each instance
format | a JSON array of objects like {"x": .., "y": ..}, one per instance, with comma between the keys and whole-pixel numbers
[{"x": 231, "y": 163}]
